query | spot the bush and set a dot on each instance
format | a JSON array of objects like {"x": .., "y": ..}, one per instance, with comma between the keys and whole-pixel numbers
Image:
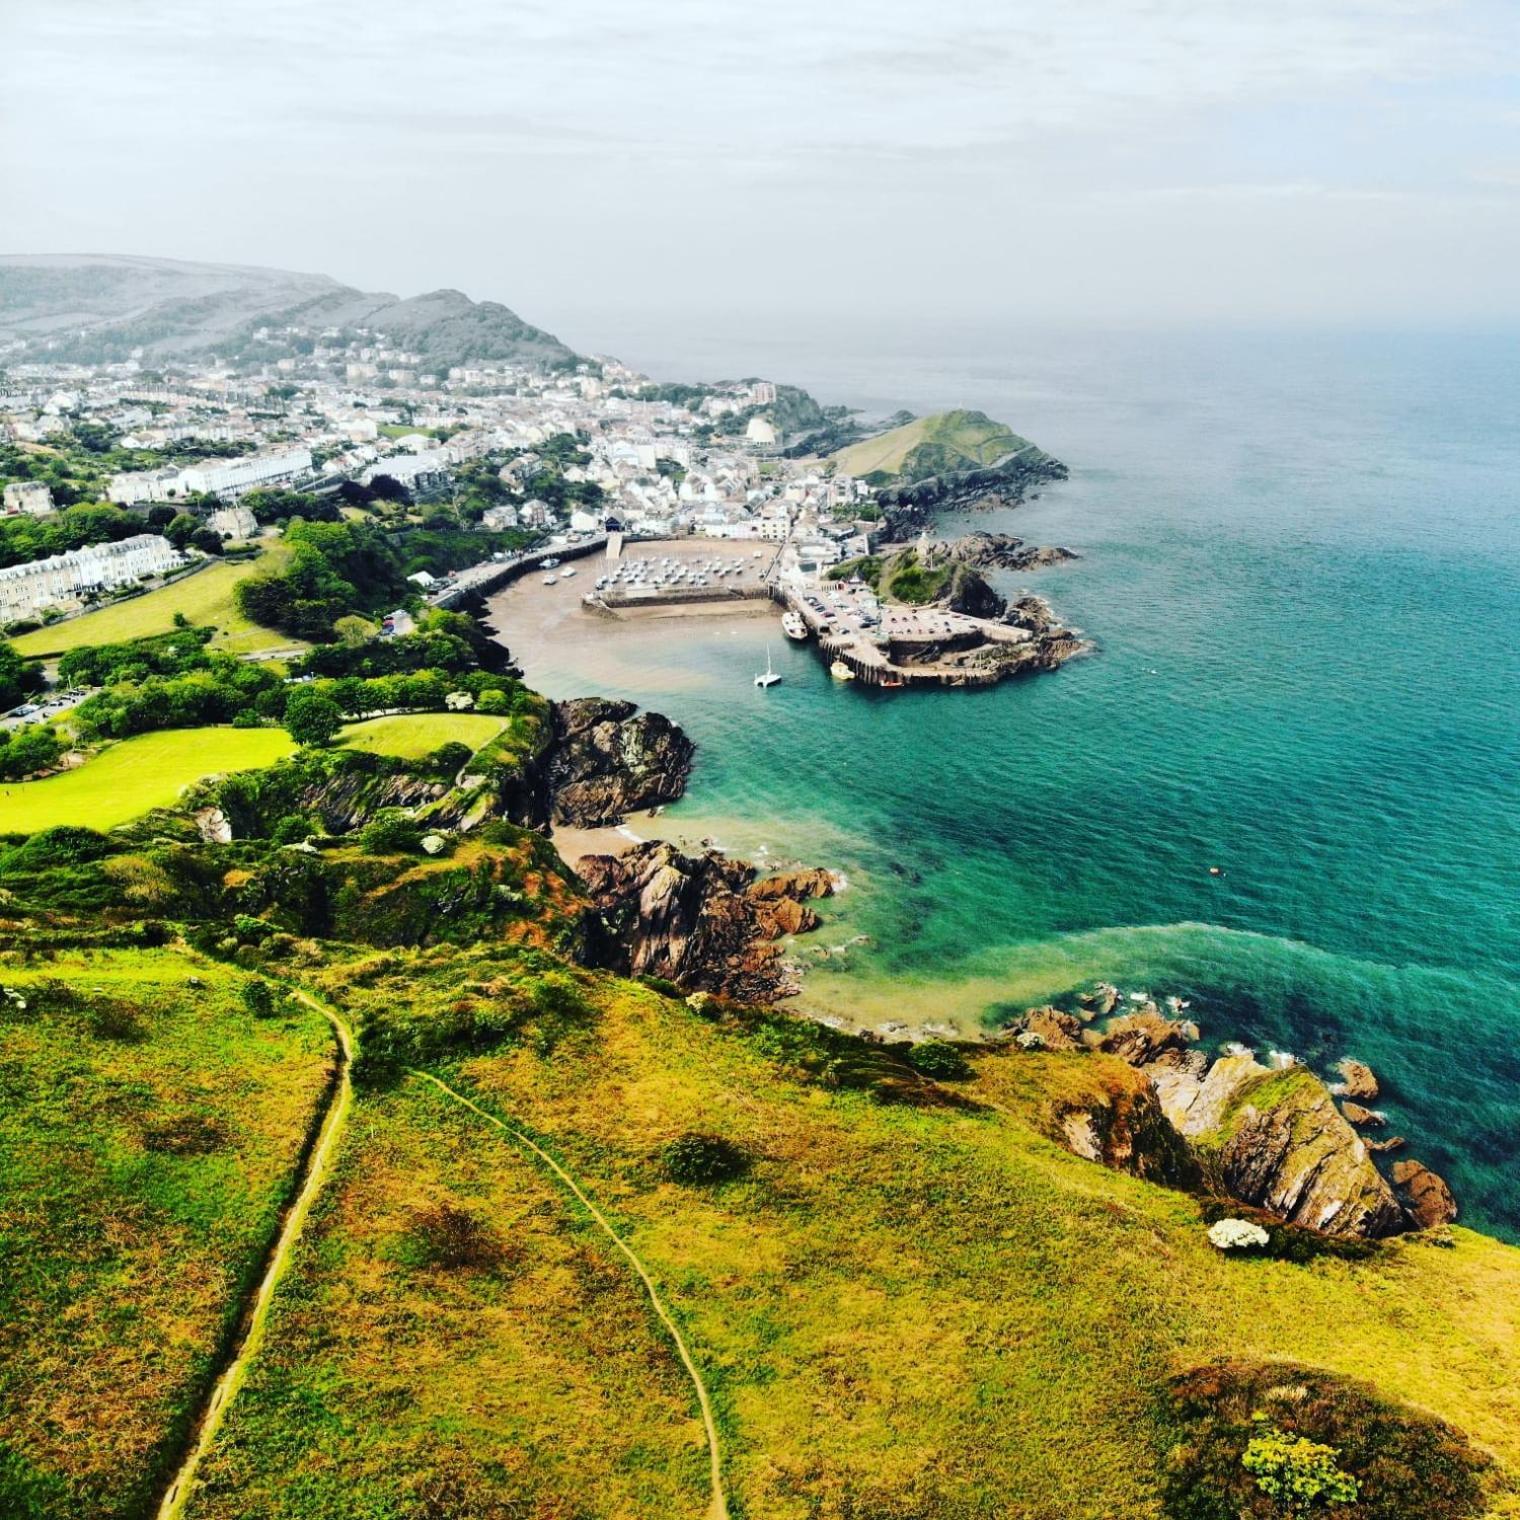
[
  {"x": 259, "y": 998},
  {"x": 452, "y": 1238},
  {"x": 391, "y": 833},
  {"x": 940, "y": 1060},
  {"x": 64, "y": 845},
  {"x": 1300, "y": 1473},
  {"x": 699, "y": 1160},
  {"x": 1320, "y": 1442},
  {"x": 292, "y": 829}
]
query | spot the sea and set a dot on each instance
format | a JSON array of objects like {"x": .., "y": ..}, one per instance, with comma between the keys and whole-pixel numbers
[{"x": 1300, "y": 571}]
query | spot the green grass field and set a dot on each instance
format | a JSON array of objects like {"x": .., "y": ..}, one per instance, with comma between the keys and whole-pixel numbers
[
  {"x": 902, "y": 1311},
  {"x": 149, "y": 1130},
  {"x": 964, "y": 439},
  {"x": 410, "y": 736},
  {"x": 132, "y": 776},
  {"x": 205, "y": 598}
]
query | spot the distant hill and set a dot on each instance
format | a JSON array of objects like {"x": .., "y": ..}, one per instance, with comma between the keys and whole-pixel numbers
[
  {"x": 942, "y": 444},
  {"x": 94, "y": 308}
]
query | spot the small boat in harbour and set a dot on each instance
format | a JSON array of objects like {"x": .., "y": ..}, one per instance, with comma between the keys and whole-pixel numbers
[
  {"x": 841, "y": 672},
  {"x": 566, "y": 573},
  {"x": 550, "y": 580},
  {"x": 793, "y": 627},
  {"x": 768, "y": 676}
]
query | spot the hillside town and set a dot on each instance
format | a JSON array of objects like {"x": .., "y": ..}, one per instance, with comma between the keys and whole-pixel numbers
[{"x": 552, "y": 456}]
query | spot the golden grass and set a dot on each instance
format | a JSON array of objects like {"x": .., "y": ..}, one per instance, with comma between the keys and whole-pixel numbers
[
  {"x": 902, "y": 1311},
  {"x": 143, "y": 1165}
]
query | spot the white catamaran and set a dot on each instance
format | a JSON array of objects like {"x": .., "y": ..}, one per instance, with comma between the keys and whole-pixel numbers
[{"x": 768, "y": 676}]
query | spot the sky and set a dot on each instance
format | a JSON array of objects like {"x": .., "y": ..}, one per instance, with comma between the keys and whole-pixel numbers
[{"x": 1105, "y": 162}]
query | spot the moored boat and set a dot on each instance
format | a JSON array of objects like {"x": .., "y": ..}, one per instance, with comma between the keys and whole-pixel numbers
[
  {"x": 841, "y": 672},
  {"x": 793, "y": 626}
]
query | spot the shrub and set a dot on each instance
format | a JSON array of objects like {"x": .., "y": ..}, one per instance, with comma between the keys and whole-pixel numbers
[
  {"x": 1322, "y": 1442},
  {"x": 1299, "y": 1472},
  {"x": 940, "y": 1060},
  {"x": 292, "y": 829},
  {"x": 452, "y": 1238},
  {"x": 65, "y": 845},
  {"x": 492, "y": 701},
  {"x": 391, "y": 833},
  {"x": 703, "y": 1159},
  {"x": 259, "y": 998}
]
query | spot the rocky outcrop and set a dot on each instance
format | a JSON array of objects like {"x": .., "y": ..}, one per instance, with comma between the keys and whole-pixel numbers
[
  {"x": 606, "y": 759},
  {"x": 1366, "y": 1118},
  {"x": 1357, "y": 1081},
  {"x": 1426, "y": 1198},
  {"x": 1119, "y": 1124},
  {"x": 908, "y": 508},
  {"x": 1280, "y": 1143},
  {"x": 702, "y": 921},
  {"x": 1052, "y": 1029},
  {"x": 1141, "y": 1037},
  {"x": 1268, "y": 1136},
  {"x": 1002, "y": 551}
]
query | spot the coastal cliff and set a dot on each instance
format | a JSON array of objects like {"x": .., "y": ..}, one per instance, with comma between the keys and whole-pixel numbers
[
  {"x": 1267, "y": 1136},
  {"x": 704, "y": 922}
]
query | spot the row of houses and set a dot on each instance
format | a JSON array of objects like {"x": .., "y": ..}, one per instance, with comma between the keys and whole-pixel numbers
[{"x": 61, "y": 579}]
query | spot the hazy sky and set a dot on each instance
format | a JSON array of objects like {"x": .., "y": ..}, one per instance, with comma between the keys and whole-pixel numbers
[{"x": 1111, "y": 161}]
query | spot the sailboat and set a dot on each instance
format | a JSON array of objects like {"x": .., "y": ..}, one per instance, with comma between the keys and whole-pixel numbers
[{"x": 768, "y": 676}]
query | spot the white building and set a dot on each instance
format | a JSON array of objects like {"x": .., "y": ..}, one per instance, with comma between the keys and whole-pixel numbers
[
  {"x": 61, "y": 578},
  {"x": 233, "y": 522},
  {"x": 499, "y": 518},
  {"x": 139, "y": 487},
  {"x": 231, "y": 477},
  {"x": 29, "y": 496}
]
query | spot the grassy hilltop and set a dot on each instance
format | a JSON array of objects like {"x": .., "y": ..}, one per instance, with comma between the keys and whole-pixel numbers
[{"x": 936, "y": 445}]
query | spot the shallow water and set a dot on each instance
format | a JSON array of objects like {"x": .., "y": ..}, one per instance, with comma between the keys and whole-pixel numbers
[{"x": 1301, "y": 566}]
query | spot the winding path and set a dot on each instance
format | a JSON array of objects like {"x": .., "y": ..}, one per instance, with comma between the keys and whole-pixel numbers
[
  {"x": 718, "y": 1507},
  {"x": 317, "y": 1169}
]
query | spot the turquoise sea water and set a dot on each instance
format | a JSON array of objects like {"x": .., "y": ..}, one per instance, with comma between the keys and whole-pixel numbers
[{"x": 1301, "y": 567}]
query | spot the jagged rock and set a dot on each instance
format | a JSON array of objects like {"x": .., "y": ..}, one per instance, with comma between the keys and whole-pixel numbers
[
  {"x": 214, "y": 826},
  {"x": 1195, "y": 1099},
  {"x": 432, "y": 844},
  {"x": 794, "y": 884},
  {"x": 699, "y": 921},
  {"x": 1357, "y": 1081},
  {"x": 1381, "y": 1147},
  {"x": 606, "y": 759},
  {"x": 1368, "y": 1118},
  {"x": 1140, "y": 1037},
  {"x": 1120, "y": 1125},
  {"x": 1281, "y": 1145},
  {"x": 1001, "y": 551},
  {"x": 1056, "y": 1030},
  {"x": 1426, "y": 1198}
]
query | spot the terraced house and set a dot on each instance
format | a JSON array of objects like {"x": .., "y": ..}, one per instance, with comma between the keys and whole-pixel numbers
[{"x": 72, "y": 576}]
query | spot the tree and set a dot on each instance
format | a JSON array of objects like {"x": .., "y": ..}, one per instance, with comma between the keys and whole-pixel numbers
[
  {"x": 311, "y": 718},
  {"x": 17, "y": 677}
]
